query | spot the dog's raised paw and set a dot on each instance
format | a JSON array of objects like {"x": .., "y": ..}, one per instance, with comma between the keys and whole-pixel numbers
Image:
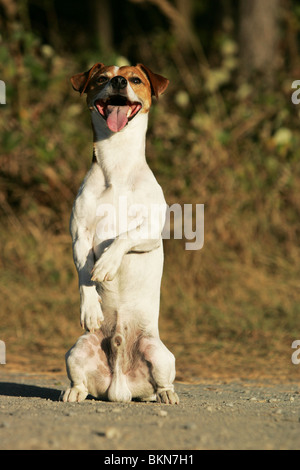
[{"x": 107, "y": 266}]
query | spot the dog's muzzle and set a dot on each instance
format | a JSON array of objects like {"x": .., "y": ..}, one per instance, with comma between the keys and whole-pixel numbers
[{"x": 117, "y": 110}]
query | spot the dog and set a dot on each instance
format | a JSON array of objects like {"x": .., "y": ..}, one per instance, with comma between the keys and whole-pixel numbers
[{"x": 120, "y": 357}]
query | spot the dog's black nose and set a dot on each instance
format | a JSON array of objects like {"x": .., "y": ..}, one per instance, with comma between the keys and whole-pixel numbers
[{"x": 118, "y": 82}]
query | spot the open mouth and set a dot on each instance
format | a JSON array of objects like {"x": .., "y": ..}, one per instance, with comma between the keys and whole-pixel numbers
[{"x": 117, "y": 111}]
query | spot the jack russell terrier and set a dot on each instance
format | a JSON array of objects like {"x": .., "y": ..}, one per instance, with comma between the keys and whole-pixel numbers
[{"x": 120, "y": 357}]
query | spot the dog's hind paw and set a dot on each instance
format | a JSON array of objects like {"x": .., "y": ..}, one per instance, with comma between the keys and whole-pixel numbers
[
  {"x": 74, "y": 394},
  {"x": 169, "y": 397}
]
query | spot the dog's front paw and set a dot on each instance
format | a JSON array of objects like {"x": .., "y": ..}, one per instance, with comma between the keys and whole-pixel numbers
[
  {"x": 107, "y": 266},
  {"x": 91, "y": 316}
]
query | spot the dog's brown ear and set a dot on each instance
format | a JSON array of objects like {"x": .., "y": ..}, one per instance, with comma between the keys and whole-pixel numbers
[
  {"x": 80, "y": 81},
  {"x": 158, "y": 83}
]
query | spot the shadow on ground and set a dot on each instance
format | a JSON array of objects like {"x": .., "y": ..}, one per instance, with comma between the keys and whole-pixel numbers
[{"x": 12, "y": 389}]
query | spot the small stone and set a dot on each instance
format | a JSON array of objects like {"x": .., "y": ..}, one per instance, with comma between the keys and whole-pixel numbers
[
  {"x": 112, "y": 433},
  {"x": 190, "y": 426},
  {"x": 116, "y": 410},
  {"x": 163, "y": 413},
  {"x": 100, "y": 410}
]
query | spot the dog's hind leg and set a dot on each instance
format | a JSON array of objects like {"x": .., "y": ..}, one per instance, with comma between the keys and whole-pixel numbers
[
  {"x": 78, "y": 390},
  {"x": 87, "y": 368},
  {"x": 162, "y": 369}
]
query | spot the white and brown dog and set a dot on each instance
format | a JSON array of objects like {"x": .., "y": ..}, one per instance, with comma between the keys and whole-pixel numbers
[{"x": 121, "y": 356}]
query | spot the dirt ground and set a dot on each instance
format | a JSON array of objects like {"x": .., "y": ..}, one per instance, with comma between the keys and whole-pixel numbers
[
  {"x": 216, "y": 414},
  {"x": 228, "y": 401}
]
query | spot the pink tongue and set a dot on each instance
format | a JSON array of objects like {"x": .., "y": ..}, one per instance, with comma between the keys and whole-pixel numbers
[{"x": 117, "y": 117}]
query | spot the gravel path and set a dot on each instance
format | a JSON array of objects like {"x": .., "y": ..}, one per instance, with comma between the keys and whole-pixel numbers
[{"x": 235, "y": 415}]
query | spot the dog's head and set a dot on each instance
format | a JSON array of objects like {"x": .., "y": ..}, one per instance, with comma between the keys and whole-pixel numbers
[{"x": 119, "y": 94}]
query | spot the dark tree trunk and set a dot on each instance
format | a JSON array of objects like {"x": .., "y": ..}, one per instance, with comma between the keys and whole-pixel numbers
[{"x": 259, "y": 37}]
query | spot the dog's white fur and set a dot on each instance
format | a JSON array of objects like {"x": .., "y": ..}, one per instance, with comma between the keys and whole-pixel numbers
[{"x": 121, "y": 356}]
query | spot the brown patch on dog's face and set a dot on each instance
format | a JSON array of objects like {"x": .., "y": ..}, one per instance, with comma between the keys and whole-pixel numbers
[
  {"x": 139, "y": 84},
  {"x": 142, "y": 80}
]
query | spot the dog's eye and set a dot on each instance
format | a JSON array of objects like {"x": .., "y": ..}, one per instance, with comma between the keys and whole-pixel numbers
[
  {"x": 136, "y": 80},
  {"x": 102, "y": 79}
]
